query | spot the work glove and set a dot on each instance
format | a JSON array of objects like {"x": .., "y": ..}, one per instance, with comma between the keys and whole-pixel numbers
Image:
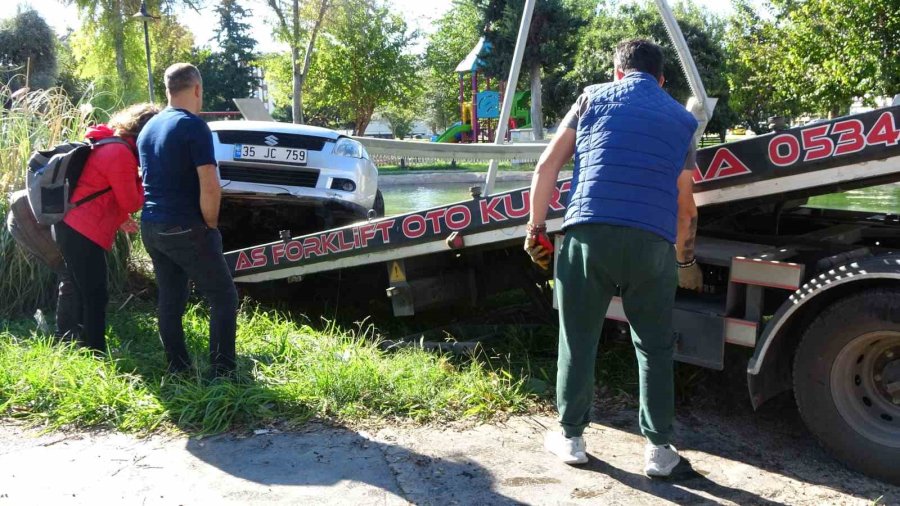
[
  {"x": 538, "y": 245},
  {"x": 690, "y": 278}
]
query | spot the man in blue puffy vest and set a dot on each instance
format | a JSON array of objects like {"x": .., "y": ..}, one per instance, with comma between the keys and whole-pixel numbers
[{"x": 629, "y": 229}]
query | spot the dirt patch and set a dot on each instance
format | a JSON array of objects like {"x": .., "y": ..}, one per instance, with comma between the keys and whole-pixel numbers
[{"x": 527, "y": 481}]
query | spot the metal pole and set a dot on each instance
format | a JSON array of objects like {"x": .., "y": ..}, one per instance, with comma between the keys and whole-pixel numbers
[
  {"x": 149, "y": 71},
  {"x": 503, "y": 122},
  {"x": 702, "y": 106}
]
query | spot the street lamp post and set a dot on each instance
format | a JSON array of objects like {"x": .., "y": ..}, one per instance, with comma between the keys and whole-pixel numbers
[{"x": 143, "y": 16}]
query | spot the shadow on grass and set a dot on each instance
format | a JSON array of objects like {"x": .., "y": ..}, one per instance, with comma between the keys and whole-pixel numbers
[{"x": 314, "y": 455}]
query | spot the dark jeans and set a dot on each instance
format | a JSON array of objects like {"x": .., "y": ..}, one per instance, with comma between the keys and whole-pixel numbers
[
  {"x": 179, "y": 254},
  {"x": 86, "y": 266},
  {"x": 68, "y": 307}
]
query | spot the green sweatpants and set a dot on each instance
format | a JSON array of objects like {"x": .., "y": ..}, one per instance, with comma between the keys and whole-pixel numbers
[{"x": 594, "y": 264}]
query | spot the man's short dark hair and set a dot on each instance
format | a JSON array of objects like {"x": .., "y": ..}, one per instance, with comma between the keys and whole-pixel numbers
[
  {"x": 639, "y": 55},
  {"x": 181, "y": 76}
]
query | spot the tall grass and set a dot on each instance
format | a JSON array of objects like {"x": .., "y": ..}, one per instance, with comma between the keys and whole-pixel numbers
[
  {"x": 35, "y": 121},
  {"x": 288, "y": 372}
]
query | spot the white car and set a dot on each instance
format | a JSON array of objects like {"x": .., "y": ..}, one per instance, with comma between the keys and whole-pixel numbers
[{"x": 281, "y": 176}]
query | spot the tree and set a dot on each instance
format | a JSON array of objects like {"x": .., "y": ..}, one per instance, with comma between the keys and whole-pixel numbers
[
  {"x": 109, "y": 46},
  {"x": 702, "y": 31},
  {"x": 363, "y": 63},
  {"x": 27, "y": 46},
  {"x": 401, "y": 117},
  {"x": 759, "y": 85},
  {"x": 228, "y": 73},
  {"x": 170, "y": 42},
  {"x": 68, "y": 78},
  {"x": 291, "y": 29},
  {"x": 552, "y": 38},
  {"x": 839, "y": 50},
  {"x": 457, "y": 32}
]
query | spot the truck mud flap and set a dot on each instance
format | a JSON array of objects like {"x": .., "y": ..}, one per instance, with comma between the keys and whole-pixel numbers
[{"x": 699, "y": 338}]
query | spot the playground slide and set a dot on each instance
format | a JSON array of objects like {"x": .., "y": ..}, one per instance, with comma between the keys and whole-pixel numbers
[{"x": 451, "y": 133}]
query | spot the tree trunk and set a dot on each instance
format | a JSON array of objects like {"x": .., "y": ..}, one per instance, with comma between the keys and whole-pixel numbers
[
  {"x": 363, "y": 118},
  {"x": 119, "y": 42},
  {"x": 537, "y": 113},
  {"x": 307, "y": 58},
  {"x": 296, "y": 107}
]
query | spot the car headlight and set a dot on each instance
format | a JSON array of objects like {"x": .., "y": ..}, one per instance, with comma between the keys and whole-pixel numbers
[{"x": 348, "y": 147}]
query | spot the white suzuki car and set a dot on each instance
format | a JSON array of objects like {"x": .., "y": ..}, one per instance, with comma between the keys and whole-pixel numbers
[{"x": 281, "y": 176}]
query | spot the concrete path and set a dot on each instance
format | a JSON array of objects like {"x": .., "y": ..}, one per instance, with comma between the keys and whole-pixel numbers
[{"x": 732, "y": 461}]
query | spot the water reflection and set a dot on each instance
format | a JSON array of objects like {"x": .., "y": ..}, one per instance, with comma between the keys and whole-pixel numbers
[
  {"x": 883, "y": 199},
  {"x": 407, "y": 198}
]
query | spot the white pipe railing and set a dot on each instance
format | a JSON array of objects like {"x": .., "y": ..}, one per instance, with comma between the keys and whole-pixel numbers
[{"x": 506, "y": 110}]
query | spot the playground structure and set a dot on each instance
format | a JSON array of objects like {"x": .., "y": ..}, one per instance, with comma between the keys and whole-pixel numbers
[{"x": 479, "y": 114}]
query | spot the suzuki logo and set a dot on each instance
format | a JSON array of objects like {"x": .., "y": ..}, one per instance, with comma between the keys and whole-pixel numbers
[{"x": 271, "y": 140}]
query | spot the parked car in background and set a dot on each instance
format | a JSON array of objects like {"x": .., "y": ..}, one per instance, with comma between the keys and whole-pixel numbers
[{"x": 281, "y": 175}]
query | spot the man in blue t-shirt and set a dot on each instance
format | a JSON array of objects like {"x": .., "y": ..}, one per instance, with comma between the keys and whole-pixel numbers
[
  {"x": 179, "y": 220},
  {"x": 630, "y": 229}
]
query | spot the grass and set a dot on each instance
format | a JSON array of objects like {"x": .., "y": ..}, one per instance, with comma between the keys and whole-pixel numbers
[{"x": 289, "y": 373}]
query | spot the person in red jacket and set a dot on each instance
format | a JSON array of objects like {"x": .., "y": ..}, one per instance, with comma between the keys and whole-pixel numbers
[{"x": 88, "y": 231}]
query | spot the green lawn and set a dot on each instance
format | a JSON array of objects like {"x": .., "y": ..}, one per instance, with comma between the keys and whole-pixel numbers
[{"x": 288, "y": 372}]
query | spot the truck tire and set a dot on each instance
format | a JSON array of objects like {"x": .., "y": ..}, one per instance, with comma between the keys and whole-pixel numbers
[
  {"x": 847, "y": 381},
  {"x": 378, "y": 206}
]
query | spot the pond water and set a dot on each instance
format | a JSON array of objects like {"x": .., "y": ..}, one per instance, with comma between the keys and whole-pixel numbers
[
  {"x": 884, "y": 199},
  {"x": 406, "y": 198},
  {"x": 409, "y": 197}
]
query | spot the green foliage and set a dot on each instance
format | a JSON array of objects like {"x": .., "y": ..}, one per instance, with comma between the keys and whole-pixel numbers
[
  {"x": 362, "y": 63},
  {"x": 22, "y": 37},
  {"x": 836, "y": 50},
  {"x": 553, "y": 40},
  {"x": 814, "y": 56},
  {"x": 702, "y": 31},
  {"x": 287, "y": 372},
  {"x": 170, "y": 42},
  {"x": 109, "y": 49},
  {"x": 759, "y": 88},
  {"x": 69, "y": 75},
  {"x": 457, "y": 32},
  {"x": 401, "y": 118},
  {"x": 229, "y": 73},
  {"x": 277, "y": 70}
]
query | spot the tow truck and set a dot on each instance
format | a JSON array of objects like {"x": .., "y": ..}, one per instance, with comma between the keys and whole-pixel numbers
[{"x": 815, "y": 293}]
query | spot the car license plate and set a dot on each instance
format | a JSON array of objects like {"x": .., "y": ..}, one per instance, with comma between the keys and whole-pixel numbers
[{"x": 270, "y": 154}]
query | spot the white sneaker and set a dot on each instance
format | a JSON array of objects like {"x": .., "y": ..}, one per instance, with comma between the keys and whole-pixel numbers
[
  {"x": 660, "y": 460},
  {"x": 571, "y": 450}
]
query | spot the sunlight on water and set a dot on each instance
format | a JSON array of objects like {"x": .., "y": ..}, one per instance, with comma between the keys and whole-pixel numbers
[{"x": 884, "y": 199}]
